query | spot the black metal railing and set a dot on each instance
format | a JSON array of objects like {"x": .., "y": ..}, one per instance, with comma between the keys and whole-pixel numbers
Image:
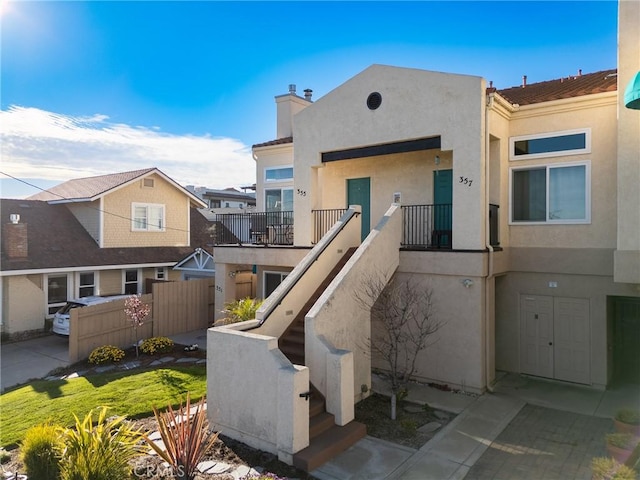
[
  {"x": 427, "y": 226},
  {"x": 323, "y": 220},
  {"x": 494, "y": 222},
  {"x": 258, "y": 228},
  {"x": 423, "y": 226}
]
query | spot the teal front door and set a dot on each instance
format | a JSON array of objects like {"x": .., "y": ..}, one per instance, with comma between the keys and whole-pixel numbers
[
  {"x": 442, "y": 206},
  {"x": 359, "y": 193}
]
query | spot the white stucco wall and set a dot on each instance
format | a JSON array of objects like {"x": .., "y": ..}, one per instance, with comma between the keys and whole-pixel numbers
[
  {"x": 253, "y": 392},
  {"x": 627, "y": 254},
  {"x": 341, "y": 120}
]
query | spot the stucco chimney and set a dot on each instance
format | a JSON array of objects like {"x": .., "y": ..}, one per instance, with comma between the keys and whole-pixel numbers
[
  {"x": 287, "y": 106},
  {"x": 15, "y": 238},
  {"x": 307, "y": 94},
  {"x": 524, "y": 81}
]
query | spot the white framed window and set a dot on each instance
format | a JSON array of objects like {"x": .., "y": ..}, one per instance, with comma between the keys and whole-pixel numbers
[
  {"x": 278, "y": 174},
  {"x": 552, "y": 144},
  {"x": 57, "y": 292},
  {"x": 550, "y": 194},
  {"x": 147, "y": 217},
  {"x": 271, "y": 280},
  {"x": 161, "y": 273},
  {"x": 130, "y": 282},
  {"x": 87, "y": 284}
]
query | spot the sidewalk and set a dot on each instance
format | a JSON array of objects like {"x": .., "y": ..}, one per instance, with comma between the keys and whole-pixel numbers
[
  {"x": 540, "y": 428},
  {"x": 448, "y": 455}
]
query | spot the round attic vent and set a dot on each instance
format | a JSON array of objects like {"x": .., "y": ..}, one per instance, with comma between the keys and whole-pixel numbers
[{"x": 374, "y": 100}]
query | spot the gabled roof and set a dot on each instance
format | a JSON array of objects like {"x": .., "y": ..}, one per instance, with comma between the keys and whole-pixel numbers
[
  {"x": 199, "y": 261},
  {"x": 91, "y": 188},
  {"x": 57, "y": 240},
  {"x": 567, "y": 87}
]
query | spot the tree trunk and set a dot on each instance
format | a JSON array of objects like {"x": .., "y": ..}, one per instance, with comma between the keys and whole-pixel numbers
[{"x": 393, "y": 405}]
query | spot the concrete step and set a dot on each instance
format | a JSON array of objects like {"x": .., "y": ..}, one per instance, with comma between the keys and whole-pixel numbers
[{"x": 328, "y": 444}]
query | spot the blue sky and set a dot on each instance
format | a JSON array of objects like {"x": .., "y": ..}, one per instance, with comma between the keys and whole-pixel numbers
[{"x": 89, "y": 88}]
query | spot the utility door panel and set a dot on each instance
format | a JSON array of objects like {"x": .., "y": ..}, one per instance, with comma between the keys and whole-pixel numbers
[
  {"x": 555, "y": 338},
  {"x": 536, "y": 335},
  {"x": 572, "y": 340}
]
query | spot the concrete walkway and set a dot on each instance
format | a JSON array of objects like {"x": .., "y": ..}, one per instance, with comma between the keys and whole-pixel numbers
[{"x": 474, "y": 435}]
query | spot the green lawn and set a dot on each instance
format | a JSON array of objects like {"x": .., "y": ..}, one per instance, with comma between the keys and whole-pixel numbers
[{"x": 131, "y": 394}]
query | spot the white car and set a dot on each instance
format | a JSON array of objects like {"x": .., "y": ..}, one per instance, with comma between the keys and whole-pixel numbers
[{"x": 61, "y": 317}]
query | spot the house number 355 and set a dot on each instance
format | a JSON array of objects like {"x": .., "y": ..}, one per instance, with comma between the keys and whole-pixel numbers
[{"x": 466, "y": 181}]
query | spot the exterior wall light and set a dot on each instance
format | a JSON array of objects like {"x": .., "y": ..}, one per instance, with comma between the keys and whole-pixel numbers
[
  {"x": 467, "y": 282},
  {"x": 436, "y": 160}
]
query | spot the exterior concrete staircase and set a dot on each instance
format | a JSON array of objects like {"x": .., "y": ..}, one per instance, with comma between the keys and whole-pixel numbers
[{"x": 326, "y": 439}]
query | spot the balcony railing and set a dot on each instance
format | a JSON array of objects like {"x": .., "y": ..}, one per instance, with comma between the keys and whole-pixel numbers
[
  {"x": 427, "y": 226},
  {"x": 494, "y": 221},
  {"x": 258, "y": 228},
  {"x": 424, "y": 226},
  {"x": 323, "y": 220}
]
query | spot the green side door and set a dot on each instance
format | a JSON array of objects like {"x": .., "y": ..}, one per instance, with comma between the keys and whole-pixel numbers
[
  {"x": 443, "y": 202},
  {"x": 359, "y": 193}
]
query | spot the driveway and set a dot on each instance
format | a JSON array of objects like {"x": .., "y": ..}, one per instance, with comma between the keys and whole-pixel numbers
[{"x": 29, "y": 359}]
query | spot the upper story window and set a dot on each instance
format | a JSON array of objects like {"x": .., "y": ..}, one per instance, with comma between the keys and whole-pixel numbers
[
  {"x": 568, "y": 142},
  {"x": 278, "y": 174},
  {"x": 147, "y": 217},
  {"x": 551, "y": 194}
]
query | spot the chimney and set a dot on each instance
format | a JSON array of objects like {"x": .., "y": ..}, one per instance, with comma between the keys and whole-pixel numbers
[
  {"x": 287, "y": 106},
  {"x": 524, "y": 81},
  {"x": 579, "y": 72},
  {"x": 15, "y": 238},
  {"x": 307, "y": 94}
]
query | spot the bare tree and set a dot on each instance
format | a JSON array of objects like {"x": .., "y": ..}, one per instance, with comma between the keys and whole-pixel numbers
[{"x": 404, "y": 318}]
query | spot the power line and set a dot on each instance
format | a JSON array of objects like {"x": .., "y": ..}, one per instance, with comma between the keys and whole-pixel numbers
[{"x": 62, "y": 197}]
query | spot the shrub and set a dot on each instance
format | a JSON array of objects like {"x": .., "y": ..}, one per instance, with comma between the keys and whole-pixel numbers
[
  {"x": 101, "y": 451},
  {"x": 263, "y": 476},
  {"x": 106, "y": 353},
  {"x": 628, "y": 415},
  {"x": 186, "y": 438},
  {"x": 626, "y": 441},
  {"x": 154, "y": 345},
  {"x": 40, "y": 452},
  {"x": 241, "y": 310},
  {"x": 409, "y": 426},
  {"x": 606, "y": 468}
]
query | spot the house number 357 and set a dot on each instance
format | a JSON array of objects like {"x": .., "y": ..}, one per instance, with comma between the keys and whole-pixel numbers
[{"x": 466, "y": 181}]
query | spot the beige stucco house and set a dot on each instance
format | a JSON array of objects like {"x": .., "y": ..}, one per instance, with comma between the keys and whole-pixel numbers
[
  {"x": 101, "y": 235},
  {"x": 518, "y": 208}
]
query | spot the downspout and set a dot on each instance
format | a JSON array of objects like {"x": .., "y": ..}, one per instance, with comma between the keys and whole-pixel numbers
[{"x": 488, "y": 299}]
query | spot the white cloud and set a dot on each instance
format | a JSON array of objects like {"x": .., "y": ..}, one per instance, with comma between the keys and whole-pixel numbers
[{"x": 37, "y": 144}]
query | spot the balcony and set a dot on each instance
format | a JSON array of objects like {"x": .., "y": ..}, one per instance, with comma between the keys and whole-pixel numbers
[
  {"x": 256, "y": 228},
  {"x": 424, "y": 227}
]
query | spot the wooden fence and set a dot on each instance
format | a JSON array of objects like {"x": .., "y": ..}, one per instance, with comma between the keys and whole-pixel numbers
[{"x": 176, "y": 307}]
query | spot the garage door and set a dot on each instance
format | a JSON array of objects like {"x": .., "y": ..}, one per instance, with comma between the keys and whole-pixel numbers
[{"x": 555, "y": 340}]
